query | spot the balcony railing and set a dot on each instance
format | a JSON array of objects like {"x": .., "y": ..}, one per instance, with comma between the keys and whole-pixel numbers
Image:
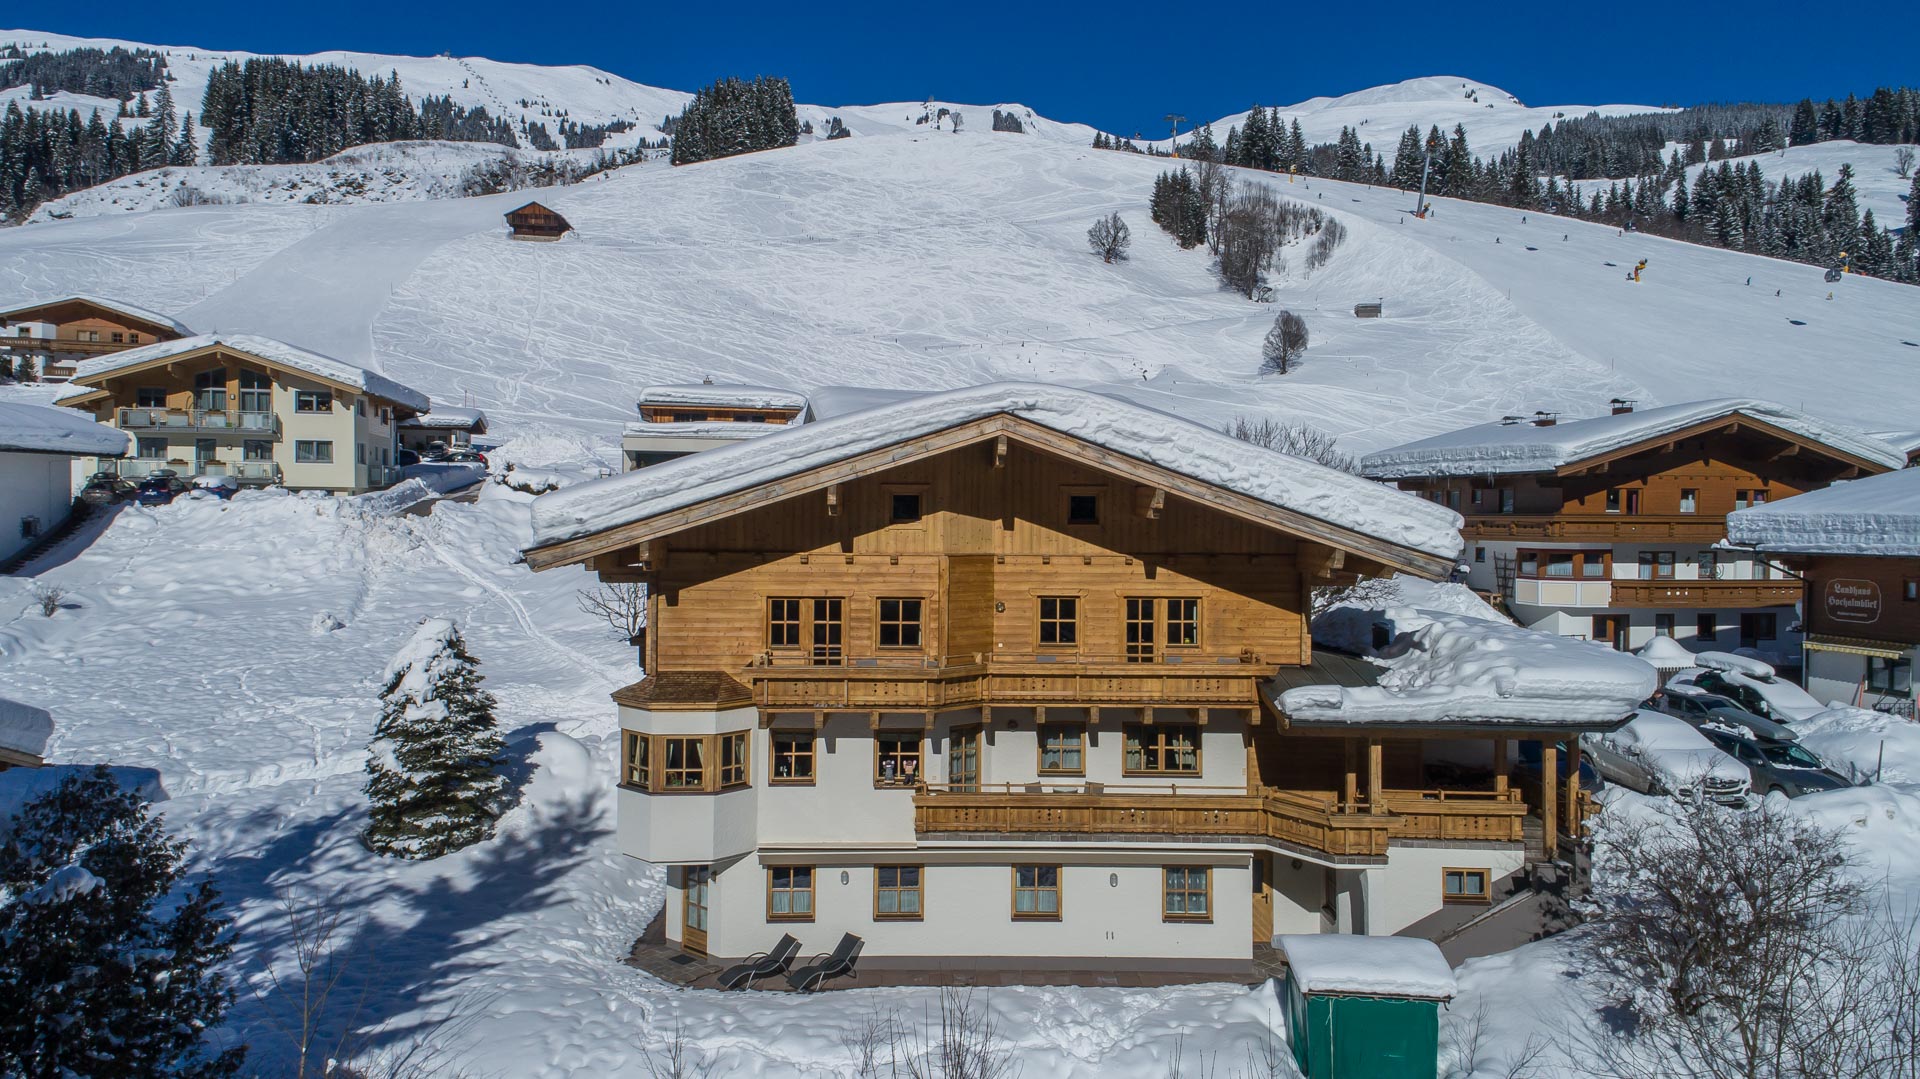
[
  {"x": 61, "y": 344},
  {"x": 1683, "y": 527},
  {"x": 1455, "y": 814},
  {"x": 1071, "y": 680},
  {"x": 251, "y": 424},
  {"x": 138, "y": 468},
  {"x": 1092, "y": 809},
  {"x": 1562, "y": 591},
  {"x": 1669, "y": 592}
]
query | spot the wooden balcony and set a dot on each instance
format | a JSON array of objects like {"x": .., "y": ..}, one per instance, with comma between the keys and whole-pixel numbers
[
  {"x": 1493, "y": 816},
  {"x": 865, "y": 684},
  {"x": 1709, "y": 593},
  {"x": 67, "y": 346},
  {"x": 1679, "y": 527}
]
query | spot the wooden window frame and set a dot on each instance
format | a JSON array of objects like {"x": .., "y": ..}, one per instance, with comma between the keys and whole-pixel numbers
[
  {"x": 900, "y": 623},
  {"x": 1058, "y": 889},
  {"x": 811, "y": 756},
  {"x": 1167, "y": 891},
  {"x": 777, "y": 615},
  {"x": 1140, "y": 634},
  {"x": 900, "y": 781},
  {"x": 790, "y": 891},
  {"x": 918, "y": 891},
  {"x": 1074, "y": 499},
  {"x": 713, "y": 753},
  {"x": 1582, "y": 557},
  {"x": 1078, "y": 730},
  {"x": 739, "y": 773},
  {"x": 667, "y": 742},
  {"x": 1484, "y": 896},
  {"x": 1041, "y": 621},
  {"x": 636, "y": 774},
  {"x": 919, "y": 491},
  {"x": 1168, "y": 621},
  {"x": 1131, "y": 731},
  {"x": 318, "y": 397},
  {"x": 1670, "y": 623},
  {"x": 1682, "y": 503},
  {"x": 966, "y": 732}
]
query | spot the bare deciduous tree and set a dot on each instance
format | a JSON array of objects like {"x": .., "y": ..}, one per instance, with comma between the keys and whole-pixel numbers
[
  {"x": 1284, "y": 343},
  {"x": 1903, "y": 161},
  {"x": 1110, "y": 238},
  {"x": 49, "y": 597},
  {"x": 1298, "y": 439},
  {"x": 678, "y": 1059},
  {"x": 623, "y": 606}
]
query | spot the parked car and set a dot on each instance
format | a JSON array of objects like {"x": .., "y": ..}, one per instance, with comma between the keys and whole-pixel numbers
[
  {"x": 1787, "y": 767},
  {"x": 1656, "y": 753},
  {"x": 106, "y": 488},
  {"x": 1701, "y": 708},
  {"x": 462, "y": 456},
  {"x": 404, "y": 458},
  {"x": 1765, "y": 695},
  {"x": 220, "y": 487},
  {"x": 158, "y": 490},
  {"x": 1529, "y": 767}
]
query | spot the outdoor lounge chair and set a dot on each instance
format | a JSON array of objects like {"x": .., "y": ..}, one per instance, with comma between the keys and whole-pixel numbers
[
  {"x": 835, "y": 964},
  {"x": 761, "y": 965}
]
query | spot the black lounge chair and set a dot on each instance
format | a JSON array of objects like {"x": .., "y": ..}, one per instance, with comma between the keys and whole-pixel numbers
[
  {"x": 835, "y": 964},
  {"x": 761, "y": 965}
]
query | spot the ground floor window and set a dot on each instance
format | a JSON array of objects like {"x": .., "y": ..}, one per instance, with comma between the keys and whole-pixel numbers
[
  {"x": 896, "y": 892},
  {"x": 1663, "y": 624},
  {"x": 309, "y": 452},
  {"x": 1036, "y": 892},
  {"x": 256, "y": 449},
  {"x": 790, "y": 893},
  {"x": 792, "y": 758},
  {"x": 151, "y": 449},
  {"x": 1187, "y": 893},
  {"x": 1706, "y": 627},
  {"x": 1890, "y": 677},
  {"x": 1464, "y": 885}
]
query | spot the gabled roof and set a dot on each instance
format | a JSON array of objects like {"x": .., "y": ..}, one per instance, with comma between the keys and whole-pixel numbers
[
  {"x": 1190, "y": 461},
  {"x": 451, "y": 418},
  {"x": 722, "y": 396},
  {"x": 152, "y": 318},
  {"x": 1875, "y": 516},
  {"x": 264, "y": 349},
  {"x": 1502, "y": 449},
  {"x": 27, "y": 428},
  {"x": 534, "y": 207}
]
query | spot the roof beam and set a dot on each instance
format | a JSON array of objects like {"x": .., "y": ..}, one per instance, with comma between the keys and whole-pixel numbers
[{"x": 1149, "y": 501}]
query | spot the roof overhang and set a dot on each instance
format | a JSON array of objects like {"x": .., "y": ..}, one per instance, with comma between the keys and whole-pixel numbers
[
  {"x": 1389, "y": 556},
  {"x": 24, "y": 314},
  {"x": 96, "y": 394},
  {"x": 1727, "y": 423}
]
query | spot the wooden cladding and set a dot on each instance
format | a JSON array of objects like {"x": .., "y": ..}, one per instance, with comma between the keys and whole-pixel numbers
[
  {"x": 1013, "y": 684},
  {"x": 1676, "y": 527},
  {"x": 1279, "y": 816},
  {"x": 1666, "y": 592}
]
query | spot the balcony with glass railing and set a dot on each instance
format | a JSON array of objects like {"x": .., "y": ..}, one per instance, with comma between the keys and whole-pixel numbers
[
  {"x": 139, "y": 468},
  {"x": 200, "y": 421}
]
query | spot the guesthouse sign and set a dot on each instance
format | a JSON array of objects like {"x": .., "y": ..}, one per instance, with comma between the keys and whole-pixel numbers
[{"x": 1852, "y": 600}]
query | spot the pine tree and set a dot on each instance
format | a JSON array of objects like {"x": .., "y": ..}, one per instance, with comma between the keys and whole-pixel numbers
[
  {"x": 184, "y": 151},
  {"x": 433, "y": 767},
  {"x": 94, "y": 979}
]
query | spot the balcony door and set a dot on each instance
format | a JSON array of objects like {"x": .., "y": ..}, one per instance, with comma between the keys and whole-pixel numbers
[
  {"x": 963, "y": 760},
  {"x": 827, "y": 627},
  {"x": 210, "y": 390},
  {"x": 256, "y": 392},
  {"x": 693, "y": 910}
]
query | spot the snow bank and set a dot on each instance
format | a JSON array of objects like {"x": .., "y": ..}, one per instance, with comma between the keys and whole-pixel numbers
[
  {"x": 1501, "y": 448},
  {"x": 24, "y": 728},
  {"x": 278, "y": 352},
  {"x": 1142, "y": 433},
  {"x": 1450, "y": 669},
  {"x": 117, "y": 306},
  {"x": 1876, "y": 743},
  {"x": 723, "y": 396},
  {"x": 1372, "y": 966},
  {"x": 1728, "y": 662},
  {"x": 1666, "y": 654},
  {"x": 28, "y": 428},
  {"x": 1879, "y": 515}
]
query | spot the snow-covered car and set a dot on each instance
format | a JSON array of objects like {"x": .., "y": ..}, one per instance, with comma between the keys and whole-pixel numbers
[
  {"x": 1659, "y": 754},
  {"x": 159, "y": 488},
  {"x": 1700, "y": 708},
  {"x": 1751, "y": 684},
  {"x": 1786, "y": 767},
  {"x": 221, "y": 487},
  {"x": 105, "y": 488}
]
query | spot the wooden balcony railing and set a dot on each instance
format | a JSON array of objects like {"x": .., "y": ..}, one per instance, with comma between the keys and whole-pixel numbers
[
  {"x": 1453, "y": 814},
  {"x": 1681, "y": 527},
  {"x": 1705, "y": 593},
  {"x": 1091, "y": 809},
  {"x": 1070, "y": 680}
]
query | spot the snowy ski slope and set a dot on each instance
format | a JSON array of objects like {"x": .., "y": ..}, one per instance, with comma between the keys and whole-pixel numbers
[
  {"x": 1881, "y": 187},
  {"x": 936, "y": 260}
]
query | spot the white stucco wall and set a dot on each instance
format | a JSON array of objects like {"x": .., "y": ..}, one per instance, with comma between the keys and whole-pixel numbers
[
  {"x": 38, "y": 485},
  {"x": 1409, "y": 886}
]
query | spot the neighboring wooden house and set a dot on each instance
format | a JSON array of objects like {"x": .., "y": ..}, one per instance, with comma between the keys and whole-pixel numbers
[
  {"x": 987, "y": 678},
  {"x": 535, "y": 222},
  {"x": 1611, "y": 528},
  {"x": 56, "y": 335},
  {"x": 38, "y": 447},
  {"x": 259, "y": 410},
  {"x": 1858, "y": 546},
  {"x": 679, "y": 420}
]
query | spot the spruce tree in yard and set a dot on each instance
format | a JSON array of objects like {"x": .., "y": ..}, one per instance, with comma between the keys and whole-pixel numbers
[
  {"x": 434, "y": 766},
  {"x": 94, "y": 979}
]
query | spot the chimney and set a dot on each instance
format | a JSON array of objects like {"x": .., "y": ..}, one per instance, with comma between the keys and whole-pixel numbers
[
  {"x": 1621, "y": 406},
  {"x": 1545, "y": 419}
]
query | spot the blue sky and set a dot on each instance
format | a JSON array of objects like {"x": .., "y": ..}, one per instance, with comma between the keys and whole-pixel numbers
[{"x": 1120, "y": 66}]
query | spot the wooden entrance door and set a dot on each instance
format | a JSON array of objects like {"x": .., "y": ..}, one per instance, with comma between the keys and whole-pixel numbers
[
  {"x": 1262, "y": 898},
  {"x": 693, "y": 910}
]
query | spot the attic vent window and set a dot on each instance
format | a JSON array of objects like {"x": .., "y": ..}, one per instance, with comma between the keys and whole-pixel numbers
[
  {"x": 906, "y": 507},
  {"x": 1083, "y": 509}
]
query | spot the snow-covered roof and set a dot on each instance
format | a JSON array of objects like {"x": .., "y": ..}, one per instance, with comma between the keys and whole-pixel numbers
[
  {"x": 115, "y": 306},
  {"x": 1453, "y": 670},
  {"x": 26, "y": 428},
  {"x": 722, "y": 396},
  {"x": 722, "y": 429},
  {"x": 1878, "y": 515},
  {"x": 1907, "y": 442},
  {"x": 1504, "y": 448},
  {"x": 267, "y": 349},
  {"x": 1666, "y": 654},
  {"x": 24, "y": 729},
  {"x": 1141, "y": 433},
  {"x": 451, "y": 417},
  {"x": 1343, "y": 963}
]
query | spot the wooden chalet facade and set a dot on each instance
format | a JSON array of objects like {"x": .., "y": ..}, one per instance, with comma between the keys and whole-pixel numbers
[
  {"x": 1613, "y": 528},
  {"x": 984, "y": 688},
  {"x": 535, "y": 222},
  {"x": 56, "y": 335},
  {"x": 1858, "y": 547},
  {"x": 676, "y": 421}
]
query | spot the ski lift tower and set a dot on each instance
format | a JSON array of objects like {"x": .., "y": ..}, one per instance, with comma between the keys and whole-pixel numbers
[{"x": 1175, "y": 120}]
